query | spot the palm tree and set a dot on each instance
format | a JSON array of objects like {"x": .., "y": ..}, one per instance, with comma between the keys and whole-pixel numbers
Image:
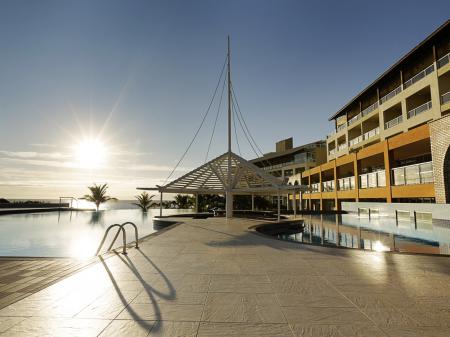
[
  {"x": 97, "y": 195},
  {"x": 184, "y": 201},
  {"x": 144, "y": 201}
]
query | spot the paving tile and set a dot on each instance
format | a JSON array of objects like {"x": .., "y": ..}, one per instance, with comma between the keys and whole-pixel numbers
[
  {"x": 57, "y": 327},
  {"x": 174, "y": 329},
  {"x": 331, "y": 300},
  {"x": 179, "y": 298},
  {"x": 243, "y": 330},
  {"x": 162, "y": 311},
  {"x": 240, "y": 283},
  {"x": 312, "y": 315},
  {"x": 8, "y": 322},
  {"x": 235, "y": 307},
  {"x": 417, "y": 332},
  {"x": 119, "y": 328}
]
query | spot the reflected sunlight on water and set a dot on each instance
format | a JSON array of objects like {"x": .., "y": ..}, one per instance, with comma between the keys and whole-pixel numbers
[{"x": 68, "y": 234}]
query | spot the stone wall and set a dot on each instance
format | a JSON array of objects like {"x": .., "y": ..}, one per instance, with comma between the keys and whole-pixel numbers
[{"x": 440, "y": 144}]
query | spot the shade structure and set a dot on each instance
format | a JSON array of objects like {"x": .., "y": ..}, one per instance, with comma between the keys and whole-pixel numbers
[{"x": 215, "y": 177}]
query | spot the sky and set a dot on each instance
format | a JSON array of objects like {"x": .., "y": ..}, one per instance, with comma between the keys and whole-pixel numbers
[{"x": 113, "y": 91}]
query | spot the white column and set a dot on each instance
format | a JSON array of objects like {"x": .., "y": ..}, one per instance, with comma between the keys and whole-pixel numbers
[
  {"x": 294, "y": 202},
  {"x": 160, "y": 203},
  {"x": 301, "y": 200},
  {"x": 229, "y": 204},
  {"x": 287, "y": 202},
  {"x": 279, "y": 208},
  {"x": 253, "y": 202}
]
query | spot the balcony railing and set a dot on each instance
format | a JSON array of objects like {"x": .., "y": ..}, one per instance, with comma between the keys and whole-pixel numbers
[
  {"x": 315, "y": 188},
  {"x": 345, "y": 184},
  {"x": 332, "y": 152},
  {"x": 445, "y": 98},
  {"x": 369, "y": 109},
  {"x": 328, "y": 186},
  {"x": 355, "y": 141},
  {"x": 413, "y": 174},
  {"x": 393, "y": 122},
  {"x": 443, "y": 61},
  {"x": 373, "y": 179},
  {"x": 371, "y": 133},
  {"x": 421, "y": 108},
  {"x": 390, "y": 95},
  {"x": 354, "y": 119},
  {"x": 428, "y": 70},
  {"x": 342, "y": 146},
  {"x": 341, "y": 127}
]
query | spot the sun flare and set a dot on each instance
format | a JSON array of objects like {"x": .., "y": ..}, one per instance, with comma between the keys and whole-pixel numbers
[{"x": 90, "y": 153}]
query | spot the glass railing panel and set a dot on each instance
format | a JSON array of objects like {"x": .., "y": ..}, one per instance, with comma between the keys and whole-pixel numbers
[
  {"x": 381, "y": 178},
  {"x": 342, "y": 146},
  {"x": 428, "y": 70},
  {"x": 443, "y": 61},
  {"x": 413, "y": 174},
  {"x": 390, "y": 95},
  {"x": 420, "y": 109},
  {"x": 426, "y": 173},
  {"x": 445, "y": 98},
  {"x": 369, "y": 109},
  {"x": 393, "y": 122},
  {"x": 354, "y": 119}
]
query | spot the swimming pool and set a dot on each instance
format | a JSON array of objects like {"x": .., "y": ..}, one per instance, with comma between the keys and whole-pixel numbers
[
  {"x": 68, "y": 233},
  {"x": 377, "y": 234}
]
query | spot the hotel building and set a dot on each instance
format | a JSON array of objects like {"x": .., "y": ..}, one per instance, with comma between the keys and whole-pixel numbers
[{"x": 391, "y": 141}]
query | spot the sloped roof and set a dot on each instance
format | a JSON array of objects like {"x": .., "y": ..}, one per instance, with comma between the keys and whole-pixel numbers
[{"x": 212, "y": 177}]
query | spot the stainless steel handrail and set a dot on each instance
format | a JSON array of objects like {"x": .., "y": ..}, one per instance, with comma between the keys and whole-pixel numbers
[
  {"x": 124, "y": 237},
  {"x": 124, "y": 250}
]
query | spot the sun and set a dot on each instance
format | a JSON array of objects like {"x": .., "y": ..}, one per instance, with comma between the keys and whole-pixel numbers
[{"x": 90, "y": 153}]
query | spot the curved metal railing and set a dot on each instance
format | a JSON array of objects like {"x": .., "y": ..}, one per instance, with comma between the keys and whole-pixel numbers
[{"x": 124, "y": 237}]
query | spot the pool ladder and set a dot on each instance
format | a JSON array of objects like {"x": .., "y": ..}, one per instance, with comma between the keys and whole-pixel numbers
[{"x": 124, "y": 237}]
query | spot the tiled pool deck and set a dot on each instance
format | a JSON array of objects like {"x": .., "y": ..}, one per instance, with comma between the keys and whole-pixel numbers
[{"x": 215, "y": 278}]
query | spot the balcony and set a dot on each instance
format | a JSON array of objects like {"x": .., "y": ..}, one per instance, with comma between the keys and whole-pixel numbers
[
  {"x": 346, "y": 184},
  {"x": 355, "y": 141},
  {"x": 328, "y": 186},
  {"x": 390, "y": 95},
  {"x": 413, "y": 174},
  {"x": 369, "y": 109},
  {"x": 342, "y": 146},
  {"x": 445, "y": 98},
  {"x": 416, "y": 78},
  {"x": 393, "y": 122},
  {"x": 420, "y": 109},
  {"x": 372, "y": 133},
  {"x": 332, "y": 152},
  {"x": 373, "y": 179},
  {"x": 443, "y": 61},
  {"x": 354, "y": 119}
]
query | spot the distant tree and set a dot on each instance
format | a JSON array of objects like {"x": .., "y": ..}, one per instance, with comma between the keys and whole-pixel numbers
[
  {"x": 4, "y": 201},
  {"x": 144, "y": 201},
  {"x": 98, "y": 195},
  {"x": 208, "y": 201},
  {"x": 184, "y": 201}
]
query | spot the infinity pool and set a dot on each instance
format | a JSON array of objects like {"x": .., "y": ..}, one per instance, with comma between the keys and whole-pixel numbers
[
  {"x": 68, "y": 234},
  {"x": 377, "y": 234}
]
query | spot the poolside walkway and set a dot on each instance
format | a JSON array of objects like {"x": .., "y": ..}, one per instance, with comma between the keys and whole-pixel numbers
[{"x": 215, "y": 278}]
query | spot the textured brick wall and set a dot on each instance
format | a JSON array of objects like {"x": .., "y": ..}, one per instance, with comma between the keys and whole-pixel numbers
[{"x": 440, "y": 144}]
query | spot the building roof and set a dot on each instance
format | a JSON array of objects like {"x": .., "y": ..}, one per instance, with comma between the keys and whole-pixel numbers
[
  {"x": 272, "y": 155},
  {"x": 389, "y": 70}
]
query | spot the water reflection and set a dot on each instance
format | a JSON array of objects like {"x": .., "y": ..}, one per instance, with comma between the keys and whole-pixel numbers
[
  {"x": 376, "y": 234},
  {"x": 67, "y": 233}
]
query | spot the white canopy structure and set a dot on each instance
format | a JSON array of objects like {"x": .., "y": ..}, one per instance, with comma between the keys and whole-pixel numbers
[{"x": 228, "y": 174}]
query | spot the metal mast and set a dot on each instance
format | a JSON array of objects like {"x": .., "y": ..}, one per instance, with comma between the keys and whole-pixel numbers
[{"x": 228, "y": 194}]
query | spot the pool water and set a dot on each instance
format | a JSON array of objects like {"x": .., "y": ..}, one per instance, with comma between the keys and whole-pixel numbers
[
  {"x": 69, "y": 233},
  {"x": 377, "y": 234}
]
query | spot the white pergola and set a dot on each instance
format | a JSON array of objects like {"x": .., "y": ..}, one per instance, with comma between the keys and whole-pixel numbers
[{"x": 229, "y": 174}]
